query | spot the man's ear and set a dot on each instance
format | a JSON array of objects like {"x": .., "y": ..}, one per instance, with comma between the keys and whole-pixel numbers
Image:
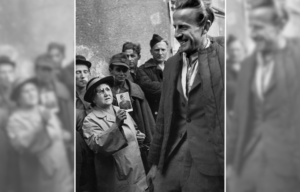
[{"x": 206, "y": 27}]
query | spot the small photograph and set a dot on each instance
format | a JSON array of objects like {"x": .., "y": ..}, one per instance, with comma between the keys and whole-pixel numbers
[{"x": 124, "y": 101}]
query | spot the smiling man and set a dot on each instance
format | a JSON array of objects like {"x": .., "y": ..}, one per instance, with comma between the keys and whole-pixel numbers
[
  {"x": 187, "y": 150},
  {"x": 150, "y": 75}
]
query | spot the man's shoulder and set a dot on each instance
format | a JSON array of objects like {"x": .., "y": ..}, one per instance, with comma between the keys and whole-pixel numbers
[{"x": 148, "y": 64}]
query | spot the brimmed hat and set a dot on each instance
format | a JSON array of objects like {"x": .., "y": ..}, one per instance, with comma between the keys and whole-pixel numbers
[
  {"x": 81, "y": 60},
  {"x": 19, "y": 83},
  {"x": 95, "y": 82},
  {"x": 6, "y": 60},
  {"x": 119, "y": 59}
]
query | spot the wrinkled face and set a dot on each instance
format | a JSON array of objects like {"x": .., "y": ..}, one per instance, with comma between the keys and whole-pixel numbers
[
  {"x": 82, "y": 76},
  {"x": 103, "y": 97},
  {"x": 236, "y": 51},
  {"x": 29, "y": 95},
  {"x": 187, "y": 31},
  {"x": 44, "y": 74},
  {"x": 263, "y": 31},
  {"x": 133, "y": 58},
  {"x": 57, "y": 56},
  {"x": 7, "y": 74},
  {"x": 120, "y": 73},
  {"x": 159, "y": 51}
]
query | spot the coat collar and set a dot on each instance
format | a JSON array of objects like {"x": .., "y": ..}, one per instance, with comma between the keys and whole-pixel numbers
[
  {"x": 134, "y": 90},
  {"x": 102, "y": 115},
  {"x": 150, "y": 63}
]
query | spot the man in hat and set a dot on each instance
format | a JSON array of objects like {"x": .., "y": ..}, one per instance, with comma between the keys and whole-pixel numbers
[
  {"x": 150, "y": 75},
  {"x": 8, "y": 160},
  {"x": 133, "y": 53},
  {"x": 82, "y": 77},
  {"x": 187, "y": 150},
  {"x": 118, "y": 67},
  {"x": 263, "y": 145},
  {"x": 7, "y": 77}
]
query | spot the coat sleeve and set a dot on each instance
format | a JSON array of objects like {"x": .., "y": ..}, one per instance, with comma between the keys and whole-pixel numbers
[
  {"x": 156, "y": 145},
  {"x": 103, "y": 141},
  {"x": 151, "y": 88}
]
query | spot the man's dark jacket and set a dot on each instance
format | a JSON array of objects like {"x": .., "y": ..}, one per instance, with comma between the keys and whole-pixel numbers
[
  {"x": 281, "y": 109},
  {"x": 150, "y": 80},
  {"x": 209, "y": 96}
]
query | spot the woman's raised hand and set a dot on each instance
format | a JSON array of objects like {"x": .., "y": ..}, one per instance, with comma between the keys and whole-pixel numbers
[{"x": 120, "y": 116}]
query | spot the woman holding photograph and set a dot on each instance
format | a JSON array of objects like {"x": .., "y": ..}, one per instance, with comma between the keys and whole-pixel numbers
[
  {"x": 36, "y": 135},
  {"x": 111, "y": 134}
]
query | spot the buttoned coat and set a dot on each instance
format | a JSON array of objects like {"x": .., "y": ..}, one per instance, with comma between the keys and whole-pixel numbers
[
  {"x": 209, "y": 95},
  {"x": 118, "y": 163}
]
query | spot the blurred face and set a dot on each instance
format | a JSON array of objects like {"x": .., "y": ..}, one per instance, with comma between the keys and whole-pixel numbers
[
  {"x": 7, "y": 74},
  {"x": 57, "y": 56},
  {"x": 187, "y": 31},
  {"x": 263, "y": 31},
  {"x": 44, "y": 74},
  {"x": 82, "y": 76},
  {"x": 236, "y": 51},
  {"x": 29, "y": 95},
  {"x": 133, "y": 58},
  {"x": 120, "y": 73},
  {"x": 159, "y": 51},
  {"x": 104, "y": 96}
]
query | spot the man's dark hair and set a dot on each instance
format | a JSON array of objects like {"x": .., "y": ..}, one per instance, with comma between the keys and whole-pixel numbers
[
  {"x": 230, "y": 39},
  {"x": 203, "y": 8},
  {"x": 135, "y": 47}
]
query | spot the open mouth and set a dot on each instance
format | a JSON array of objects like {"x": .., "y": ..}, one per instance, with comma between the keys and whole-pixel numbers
[{"x": 182, "y": 42}]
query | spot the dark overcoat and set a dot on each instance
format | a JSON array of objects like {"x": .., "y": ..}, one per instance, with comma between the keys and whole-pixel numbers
[{"x": 209, "y": 95}]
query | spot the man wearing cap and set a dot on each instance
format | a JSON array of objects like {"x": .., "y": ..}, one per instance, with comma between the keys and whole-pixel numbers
[
  {"x": 133, "y": 54},
  {"x": 150, "y": 75},
  {"x": 187, "y": 150},
  {"x": 118, "y": 67},
  {"x": 8, "y": 157},
  {"x": 263, "y": 145},
  {"x": 7, "y": 77},
  {"x": 82, "y": 77}
]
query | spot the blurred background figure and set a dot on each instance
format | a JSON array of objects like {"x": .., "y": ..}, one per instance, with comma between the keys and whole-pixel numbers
[
  {"x": 235, "y": 56},
  {"x": 35, "y": 133},
  {"x": 263, "y": 134},
  {"x": 37, "y": 40}
]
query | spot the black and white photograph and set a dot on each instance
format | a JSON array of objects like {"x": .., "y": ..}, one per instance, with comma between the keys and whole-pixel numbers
[{"x": 124, "y": 101}]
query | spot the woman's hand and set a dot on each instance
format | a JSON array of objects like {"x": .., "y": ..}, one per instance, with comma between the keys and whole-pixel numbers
[{"x": 120, "y": 116}]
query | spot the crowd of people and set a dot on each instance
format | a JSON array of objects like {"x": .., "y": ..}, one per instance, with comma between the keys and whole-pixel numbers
[
  {"x": 36, "y": 124},
  {"x": 173, "y": 138}
]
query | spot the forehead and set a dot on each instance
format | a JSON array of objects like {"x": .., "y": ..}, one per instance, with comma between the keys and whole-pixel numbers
[
  {"x": 81, "y": 67},
  {"x": 160, "y": 45},
  {"x": 185, "y": 16},
  {"x": 102, "y": 86},
  {"x": 130, "y": 52},
  {"x": 235, "y": 44}
]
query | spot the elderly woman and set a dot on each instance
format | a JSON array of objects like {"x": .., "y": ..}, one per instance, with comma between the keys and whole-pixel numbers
[
  {"x": 36, "y": 135},
  {"x": 111, "y": 134}
]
